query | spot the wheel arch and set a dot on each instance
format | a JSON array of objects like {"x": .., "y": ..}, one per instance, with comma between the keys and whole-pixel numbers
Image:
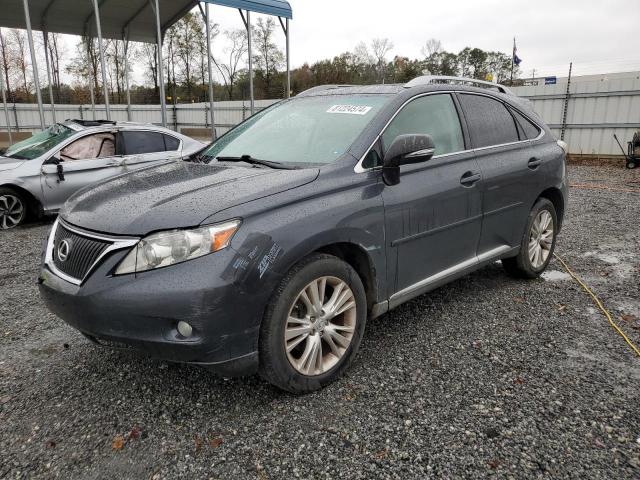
[
  {"x": 357, "y": 257},
  {"x": 34, "y": 205},
  {"x": 555, "y": 196}
]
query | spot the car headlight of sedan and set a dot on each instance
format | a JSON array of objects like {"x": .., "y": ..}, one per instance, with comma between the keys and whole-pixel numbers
[{"x": 162, "y": 249}]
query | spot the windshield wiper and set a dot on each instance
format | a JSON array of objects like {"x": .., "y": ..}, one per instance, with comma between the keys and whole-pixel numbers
[{"x": 256, "y": 161}]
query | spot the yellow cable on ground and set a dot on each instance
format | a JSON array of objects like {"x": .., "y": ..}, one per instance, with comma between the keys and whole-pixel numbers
[{"x": 599, "y": 303}]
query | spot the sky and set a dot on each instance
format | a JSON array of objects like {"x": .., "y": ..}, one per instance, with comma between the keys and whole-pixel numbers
[{"x": 600, "y": 36}]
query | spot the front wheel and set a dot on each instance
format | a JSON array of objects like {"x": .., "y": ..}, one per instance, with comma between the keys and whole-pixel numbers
[
  {"x": 538, "y": 242},
  {"x": 13, "y": 209},
  {"x": 313, "y": 325}
]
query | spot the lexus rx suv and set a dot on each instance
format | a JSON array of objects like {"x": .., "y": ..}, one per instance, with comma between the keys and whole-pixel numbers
[
  {"x": 38, "y": 174},
  {"x": 270, "y": 249}
]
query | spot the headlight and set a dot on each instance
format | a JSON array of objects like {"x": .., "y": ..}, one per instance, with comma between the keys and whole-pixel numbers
[{"x": 174, "y": 246}]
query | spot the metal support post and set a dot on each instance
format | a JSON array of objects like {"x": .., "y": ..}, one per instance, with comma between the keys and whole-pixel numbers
[
  {"x": 125, "y": 39},
  {"x": 285, "y": 29},
  {"x": 250, "y": 62},
  {"x": 6, "y": 110},
  {"x": 565, "y": 108},
  {"x": 208, "y": 33},
  {"x": 45, "y": 37},
  {"x": 91, "y": 78},
  {"x": 105, "y": 89},
  {"x": 34, "y": 64},
  {"x": 163, "y": 105}
]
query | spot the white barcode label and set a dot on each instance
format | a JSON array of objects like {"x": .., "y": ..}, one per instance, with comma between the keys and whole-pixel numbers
[{"x": 349, "y": 109}]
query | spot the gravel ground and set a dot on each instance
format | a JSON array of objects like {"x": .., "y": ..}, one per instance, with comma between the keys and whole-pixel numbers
[{"x": 486, "y": 376}]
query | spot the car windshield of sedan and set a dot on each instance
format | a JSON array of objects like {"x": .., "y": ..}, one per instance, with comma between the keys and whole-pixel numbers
[
  {"x": 301, "y": 132},
  {"x": 39, "y": 143}
]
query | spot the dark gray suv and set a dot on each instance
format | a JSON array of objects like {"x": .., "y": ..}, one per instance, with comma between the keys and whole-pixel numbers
[{"x": 268, "y": 251}]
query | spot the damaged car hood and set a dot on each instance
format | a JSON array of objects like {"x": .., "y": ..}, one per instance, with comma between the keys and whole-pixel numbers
[
  {"x": 174, "y": 195},
  {"x": 8, "y": 163}
]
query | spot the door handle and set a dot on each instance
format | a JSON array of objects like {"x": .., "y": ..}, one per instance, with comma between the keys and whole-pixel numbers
[
  {"x": 534, "y": 163},
  {"x": 470, "y": 178}
]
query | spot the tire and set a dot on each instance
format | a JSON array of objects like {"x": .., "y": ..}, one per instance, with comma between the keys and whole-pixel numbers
[
  {"x": 292, "y": 370},
  {"x": 523, "y": 265},
  {"x": 13, "y": 209},
  {"x": 631, "y": 165}
]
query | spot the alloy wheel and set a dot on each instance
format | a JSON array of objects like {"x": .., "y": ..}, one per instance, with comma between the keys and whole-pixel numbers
[
  {"x": 320, "y": 326},
  {"x": 540, "y": 239},
  {"x": 11, "y": 211}
]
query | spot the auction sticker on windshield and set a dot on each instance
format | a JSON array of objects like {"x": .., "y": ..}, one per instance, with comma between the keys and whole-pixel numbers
[{"x": 350, "y": 109}]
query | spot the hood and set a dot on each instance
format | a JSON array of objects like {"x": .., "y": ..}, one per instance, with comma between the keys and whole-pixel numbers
[
  {"x": 9, "y": 163},
  {"x": 175, "y": 195}
]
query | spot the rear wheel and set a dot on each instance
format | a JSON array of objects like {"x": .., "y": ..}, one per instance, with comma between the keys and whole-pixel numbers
[
  {"x": 13, "y": 209},
  {"x": 631, "y": 164},
  {"x": 538, "y": 242},
  {"x": 313, "y": 326}
]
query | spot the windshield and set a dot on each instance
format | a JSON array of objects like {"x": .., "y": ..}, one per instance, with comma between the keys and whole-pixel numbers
[
  {"x": 39, "y": 143},
  {"x": 302, "y": 131}
]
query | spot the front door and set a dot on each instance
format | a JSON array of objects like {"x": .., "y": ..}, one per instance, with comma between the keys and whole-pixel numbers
[
  {"x": 83, "y": 162},
  {"x": 433, "y": 216}
]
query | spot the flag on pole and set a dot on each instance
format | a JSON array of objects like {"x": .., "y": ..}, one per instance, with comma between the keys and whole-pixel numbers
[{"x": 516, "y": 59}]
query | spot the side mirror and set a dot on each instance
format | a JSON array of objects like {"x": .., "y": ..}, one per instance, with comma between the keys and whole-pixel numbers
[
  {"x": 406, "y": 149},
  {"x": 56, "y": 162}
]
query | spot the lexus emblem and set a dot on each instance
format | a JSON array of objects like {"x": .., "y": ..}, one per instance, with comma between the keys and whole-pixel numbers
[{"x": 63, "y": 250}]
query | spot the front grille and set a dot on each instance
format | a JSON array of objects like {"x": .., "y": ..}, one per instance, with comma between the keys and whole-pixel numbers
[{"x": 78, "y": 255}]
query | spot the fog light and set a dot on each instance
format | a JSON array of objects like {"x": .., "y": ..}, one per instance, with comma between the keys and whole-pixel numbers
[{"x": 185, "y": 329}]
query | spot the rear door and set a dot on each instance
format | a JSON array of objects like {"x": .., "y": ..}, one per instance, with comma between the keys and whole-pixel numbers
[
  {"x": 85, "y": 161},
  {"x": 144, "y": 147},
  {"x": 433, "y": 216},
  {"x": 508, "y": 170}
]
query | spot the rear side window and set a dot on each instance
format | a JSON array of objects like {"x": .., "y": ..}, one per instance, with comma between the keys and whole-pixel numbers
[
  {"x": 171, "y": 143},
  {"x": 489, "y": 121},
  {"x": 435, "y": 115},
  {"x": 137, "y": 142},
  {"x": 531, "y": 131}
]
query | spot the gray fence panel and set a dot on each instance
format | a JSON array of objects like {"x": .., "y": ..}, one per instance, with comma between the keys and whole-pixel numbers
[
  {"x": 196, "y": 115},
  {"x": 597, "y": 109}
]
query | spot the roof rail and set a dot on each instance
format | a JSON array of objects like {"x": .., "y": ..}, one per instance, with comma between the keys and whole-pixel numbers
[{"x": 427, "y": 79}]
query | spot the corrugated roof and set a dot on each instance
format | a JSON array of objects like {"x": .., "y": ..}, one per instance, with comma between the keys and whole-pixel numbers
[
  {"x": 277, "y": 8},
  {"x": 76, "y": 17}
]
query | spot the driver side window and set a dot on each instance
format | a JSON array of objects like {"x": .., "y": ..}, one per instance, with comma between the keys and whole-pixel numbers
[
  {"x": 99, "y": 145},
  {"x": 434, "y": 115}
]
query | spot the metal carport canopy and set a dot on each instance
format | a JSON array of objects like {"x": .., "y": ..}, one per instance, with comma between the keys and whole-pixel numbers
[
  {"x": 75, "y": 17},
  {"x": 128, "y": 20}
]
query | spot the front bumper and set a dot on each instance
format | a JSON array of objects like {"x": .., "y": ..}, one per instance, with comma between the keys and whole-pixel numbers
[{"x": 142, "y": 311}]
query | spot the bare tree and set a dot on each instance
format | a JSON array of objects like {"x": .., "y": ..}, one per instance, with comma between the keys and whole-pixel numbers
[
  {"x": 362, "y": 55},
  {"x": 5, "y": 55},
  {"x": 20, "y": 58},
  {"x": 235, "y": 52},
  {"x": 189, "y": 34},
  {"x": 115, "y": 62},
  {"x": 269, "y": 57},
  {"x": 380, "y": 48},
  {"x": 56, "y": 51},
  {"x": 431, "y": 47},
  {"x": 214, "y": 30},
  {"x": 148, "y": 54}
]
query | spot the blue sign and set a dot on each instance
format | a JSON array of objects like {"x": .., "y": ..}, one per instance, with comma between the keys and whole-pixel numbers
[{"x": 550, "y": 80}]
